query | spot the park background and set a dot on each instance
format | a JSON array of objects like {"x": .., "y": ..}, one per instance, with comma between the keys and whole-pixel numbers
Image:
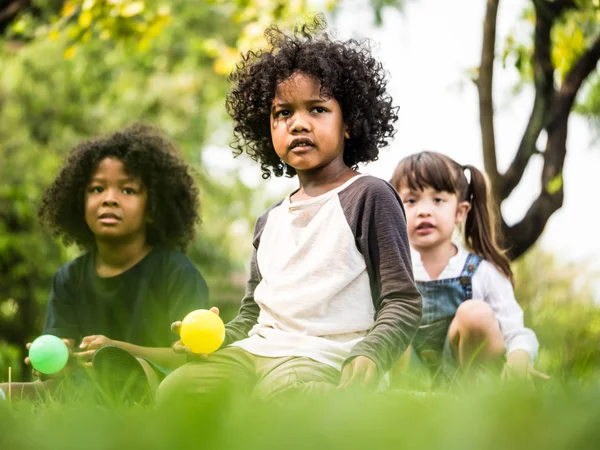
[{"x": 500, "y": 96}]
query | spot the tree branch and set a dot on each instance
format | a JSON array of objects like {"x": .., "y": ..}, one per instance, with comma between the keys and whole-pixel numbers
[
  {"x": 484, "y": 87},
  {"x": 543, "y": 78},
  {"x": 523, "y": 234}
]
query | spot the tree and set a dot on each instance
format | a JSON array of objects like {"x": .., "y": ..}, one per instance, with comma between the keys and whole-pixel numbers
[{"x": 557, "y": 79}]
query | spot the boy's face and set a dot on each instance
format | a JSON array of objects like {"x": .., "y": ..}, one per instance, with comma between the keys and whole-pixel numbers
[
  {"x": 115, "y": 202},
  {"x": 307, "y": 129}
]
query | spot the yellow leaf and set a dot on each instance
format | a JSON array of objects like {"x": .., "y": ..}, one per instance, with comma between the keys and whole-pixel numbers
[
  {"x": 105, "y": 35},
  {"x": 226, "y": 62},
  {"x": 132, "y": 9},
  {"x": 331, "y": 4},
  {"x": 68, "y": 9},
  {"x": 143, "y": 44},
  {"x": 555, "y": 184},
  {"x": 70, "y": 52},
  {"x": 85, "y": 19},
  {"x": 54, "y": 35}
]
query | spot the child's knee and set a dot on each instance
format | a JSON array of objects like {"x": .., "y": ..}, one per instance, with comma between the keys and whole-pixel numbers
[
  {"x": 476, "y": 317},
  {"x": 174, "y": 387}
]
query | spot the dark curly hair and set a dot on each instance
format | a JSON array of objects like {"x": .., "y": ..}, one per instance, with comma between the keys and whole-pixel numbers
[
  {"x": 172, "y": 194},
  {"x": 347, "y": 72}
]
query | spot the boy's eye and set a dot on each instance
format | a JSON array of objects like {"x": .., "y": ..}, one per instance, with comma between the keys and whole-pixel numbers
[
  {"x": 438, "y": 199},
  {"x": 281, "y": 113},
  {"x": 128, "y": 191},
  {"x": 95, "y": 189},
  {"x": 319, "y": 109},
  {"x": 410, "y": 200}
]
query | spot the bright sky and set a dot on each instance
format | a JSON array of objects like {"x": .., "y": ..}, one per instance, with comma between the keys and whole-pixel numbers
[{"x": 427, "y": 50}]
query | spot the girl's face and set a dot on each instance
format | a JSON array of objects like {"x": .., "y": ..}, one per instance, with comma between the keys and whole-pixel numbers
[
  {"x": 307, "y": 129},
  {"x": 115, "y": 202},
  {"x": 431, "y": 216}
]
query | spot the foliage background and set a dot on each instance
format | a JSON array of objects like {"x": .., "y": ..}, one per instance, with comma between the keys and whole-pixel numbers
[{"x": 71, "y": 70}]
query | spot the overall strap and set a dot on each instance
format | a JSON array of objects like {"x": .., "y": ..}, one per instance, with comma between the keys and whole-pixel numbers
[{"x": 467, "y": 272}]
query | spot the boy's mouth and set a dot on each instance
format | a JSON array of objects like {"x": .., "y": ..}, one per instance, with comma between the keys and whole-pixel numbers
[
  {"x": 300, "y": 144},
  {"x": 108, "y": 218}
]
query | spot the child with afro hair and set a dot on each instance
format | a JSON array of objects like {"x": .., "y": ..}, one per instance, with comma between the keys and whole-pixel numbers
[
  {"x": 130, "y": 202},
  {"x": 330, "y": 301}
]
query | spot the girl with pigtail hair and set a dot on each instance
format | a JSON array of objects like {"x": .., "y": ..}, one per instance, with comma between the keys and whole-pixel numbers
[{"x": 470, "y": 314}]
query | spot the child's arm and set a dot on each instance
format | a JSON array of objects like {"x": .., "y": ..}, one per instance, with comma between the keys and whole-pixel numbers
[
  {"x": 499, "y": 294},
  {"x": 521, "y": 342},
  {"x": 247, "y": 317},
  {"x": 60, "y": 313},
  {"x": 164, "y": 357},
  {"x": 376, "y": 216},
  {"x": 238, "y": 328},
  {"x": 60, "y": 317},
  {"x": 519, "y": 365}
]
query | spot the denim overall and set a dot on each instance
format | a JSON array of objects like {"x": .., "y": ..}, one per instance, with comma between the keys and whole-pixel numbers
[{"x": 441, "y": 299}]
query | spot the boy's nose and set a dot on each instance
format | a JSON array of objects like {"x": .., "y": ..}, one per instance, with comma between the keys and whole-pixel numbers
[
  {"x": 299, "y": 124},
  {"x": 110, "y": 199}
]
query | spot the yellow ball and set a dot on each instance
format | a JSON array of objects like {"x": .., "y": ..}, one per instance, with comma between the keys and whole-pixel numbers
[{"x": 202, "y": 331}]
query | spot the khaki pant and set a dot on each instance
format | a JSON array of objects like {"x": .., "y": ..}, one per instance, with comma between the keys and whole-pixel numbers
[{"x": 235, "y": 369}]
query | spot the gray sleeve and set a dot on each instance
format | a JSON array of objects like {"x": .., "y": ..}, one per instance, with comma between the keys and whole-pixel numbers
[
  {"x": 238, "y": 328},
  {"x": 375, "y": 214}
]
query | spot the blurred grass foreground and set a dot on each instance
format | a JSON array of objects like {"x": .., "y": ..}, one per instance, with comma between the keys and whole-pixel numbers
[{"x": 511, "y": 417}]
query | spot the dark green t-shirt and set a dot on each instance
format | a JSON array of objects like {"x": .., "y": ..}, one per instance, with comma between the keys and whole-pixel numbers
[{"x": 137, "y": 306}]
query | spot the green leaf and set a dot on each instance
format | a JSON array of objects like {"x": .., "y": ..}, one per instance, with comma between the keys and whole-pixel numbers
[{"x": 555, "y": 184}]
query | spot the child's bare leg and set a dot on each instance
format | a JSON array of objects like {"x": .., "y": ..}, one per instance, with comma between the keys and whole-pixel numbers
[{"x": 475, "y": 334}]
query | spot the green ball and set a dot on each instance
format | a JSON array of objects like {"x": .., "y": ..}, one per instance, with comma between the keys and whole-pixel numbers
[{"x": 48, "y": 354}]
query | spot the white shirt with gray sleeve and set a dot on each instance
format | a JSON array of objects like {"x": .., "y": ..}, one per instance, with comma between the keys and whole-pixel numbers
[{"x": 331, "y": 279}]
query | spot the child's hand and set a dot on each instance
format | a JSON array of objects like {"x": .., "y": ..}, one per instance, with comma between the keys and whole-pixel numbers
[
  {"x": 178, "y": 346},
  {"x": 518, "y": 367},
  {"x": 54, "y": 375},
  {"x": 361, "y": 371},
  {"x": 88, "y": 347}
]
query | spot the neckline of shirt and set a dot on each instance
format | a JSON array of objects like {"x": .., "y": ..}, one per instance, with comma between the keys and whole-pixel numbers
[
  {"x": 318, "y": 199},
  {"x": 118, "y": 277},
  {"x": 454, "y": 261}
]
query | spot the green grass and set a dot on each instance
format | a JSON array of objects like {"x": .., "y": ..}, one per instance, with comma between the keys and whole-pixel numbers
[{"x": 476, "y": 415}]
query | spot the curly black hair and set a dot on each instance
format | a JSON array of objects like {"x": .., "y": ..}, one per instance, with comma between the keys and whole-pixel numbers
[
  {"x": 172, "y": 193},
  {"x": 346, "y": 70}
]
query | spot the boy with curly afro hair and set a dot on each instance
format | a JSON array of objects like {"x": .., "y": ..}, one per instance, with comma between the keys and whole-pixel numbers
[
  {"x": 330, "y": 301},
  {"x": 130, "y": 202}
]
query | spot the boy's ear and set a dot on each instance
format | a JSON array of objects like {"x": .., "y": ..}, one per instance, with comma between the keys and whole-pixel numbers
[
  {"x": 462, "y": 209},
  {"x": 346, "y": 132}
]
